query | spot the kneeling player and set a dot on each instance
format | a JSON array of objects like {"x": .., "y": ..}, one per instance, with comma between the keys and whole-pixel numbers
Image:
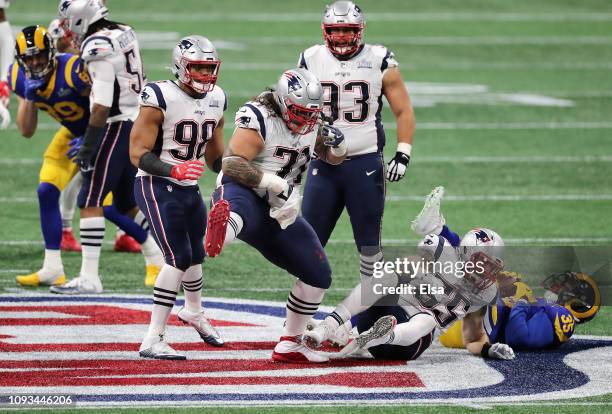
[
  {"x": 269, "y": 151},
  {"x": 178, "y": 124}
]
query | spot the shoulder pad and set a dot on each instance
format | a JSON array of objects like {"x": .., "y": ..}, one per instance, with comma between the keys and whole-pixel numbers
[
  {"x": 250, "y": 116},
  {"x": 97, "y": 48},
  {"x": 388, "y": 57},
  {"x": 431, "y": 246},
  {"x": 152, "y": 95},
  {"x": 221, "y": 96}
]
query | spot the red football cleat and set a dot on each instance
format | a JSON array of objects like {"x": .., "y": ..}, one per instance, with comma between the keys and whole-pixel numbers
[
  {"x": 126, "y": 244},
  {"x": 215, "y": 228},
  {"x": 69, "y": 243}
]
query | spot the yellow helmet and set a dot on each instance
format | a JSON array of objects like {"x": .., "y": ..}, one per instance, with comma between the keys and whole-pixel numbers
[
  {"x": 576, "y": 291},
  {"x": 31, "y": 41}
]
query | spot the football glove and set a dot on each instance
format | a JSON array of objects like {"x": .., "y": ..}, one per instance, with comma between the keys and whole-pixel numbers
[
  {"x": 501, "y": 351},
  {"x": 396, "y": 168},
  {"x": 332, "y": 136},
  {"x": 31, "y": 86},
  {"x": 83, "y": 158},
  {"x": 190, "y": 170},
  {"x": 74, "y": 147},
  {"x": 5, "y": 93}
]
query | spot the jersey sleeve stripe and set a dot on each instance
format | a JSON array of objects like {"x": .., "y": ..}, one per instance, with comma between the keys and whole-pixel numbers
[
  {"x": 158, "y": 94},
  {"x": 385, "y": 63},
  {"x": 14, "y": 76},
  {"x": 303, "y": 61},
  {"x": 68, "y": 71},
  {"x": 84, "y": 45},
  {"x": 439, "y": 248},
  {"x": 225, "y": 102},
  {"x": 260, "y": 119}
]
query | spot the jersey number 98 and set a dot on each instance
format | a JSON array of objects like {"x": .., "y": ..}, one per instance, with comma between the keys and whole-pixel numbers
[{"x": 192, "y": 137}]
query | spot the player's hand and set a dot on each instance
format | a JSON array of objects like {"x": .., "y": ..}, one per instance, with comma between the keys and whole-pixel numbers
[
  {"x": 289, "y": 208},
  {"x": 74, "y": 147},
  {"x": 84, "y": 157},
  {"x": 501, "y": 351},
  {"x": 190, "y": 170},
  {"x": 31, "y": 87},
  {"x": 396, "y": 168},
  {"x": 5, "y": 117},
  {"x": 332, "y": 136}
]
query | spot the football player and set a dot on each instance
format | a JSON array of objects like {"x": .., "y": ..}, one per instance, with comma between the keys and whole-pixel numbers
[
  {"x": 123, "y": 242},
  {"x": 56, "y": 84},
  {"x": 404, "y": 331},
  {"x": 6, "y": 57},
  {"x": 258, "y": 195},
  {"x": 355, "y": 76},
  {"x": 179, "y": 124},
  {"x": 112, "y": 54}
]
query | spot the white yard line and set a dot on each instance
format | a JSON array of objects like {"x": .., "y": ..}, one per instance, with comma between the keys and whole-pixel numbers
[
  {"x": 511, "y": 197},
  {"x": 410, "y": 241},
  {"x": 443, "y": 126},
  {"x": 371, "y": 16}
]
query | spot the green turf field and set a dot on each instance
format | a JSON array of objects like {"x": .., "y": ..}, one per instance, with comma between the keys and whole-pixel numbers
[{"x": 537, "y": 174}]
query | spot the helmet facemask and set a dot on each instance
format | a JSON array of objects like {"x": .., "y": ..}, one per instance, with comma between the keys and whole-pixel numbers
[
  {"x": 198, "y": 80},
  {"x": 299, "y": 119},
  {"x": 485, "y": 270},
  {"x": 343, "y": 42}
]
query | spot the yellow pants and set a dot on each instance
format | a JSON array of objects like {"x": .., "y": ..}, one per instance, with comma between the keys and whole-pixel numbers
[
  {"x": 453, "y": 337},
  {"x": 57, "y": 168}
]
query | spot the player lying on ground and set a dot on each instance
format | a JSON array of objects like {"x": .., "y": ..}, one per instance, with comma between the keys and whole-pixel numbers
[
  {"x": 56, "y": 84},
  {"x": 112, "y": 54},
  {"x": 355, "y": 76},
  {"x": 258, "y": 195},
  {"x": 404, "y": 331},
  {"x": 526, "y": 322},
  {"x": 188, "y": 116}
]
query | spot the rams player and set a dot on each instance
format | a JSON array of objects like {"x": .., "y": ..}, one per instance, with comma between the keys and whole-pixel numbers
[
  {"x": 355, "y": 76},
  {"x": 258, "y": 195},
  {"x": 56, "y": 84},
  {"x": 179, "y": 124}
]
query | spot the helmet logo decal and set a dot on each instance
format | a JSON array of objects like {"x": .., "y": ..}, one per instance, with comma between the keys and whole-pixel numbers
[
  {"x": 64, "y": 6},
  {"x": 482, "y": 236},
  {"x": 293, "y": 83},
  {"x": 185, "y": 44}
]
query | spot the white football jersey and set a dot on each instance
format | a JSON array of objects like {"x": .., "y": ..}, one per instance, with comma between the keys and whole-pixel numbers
[
  {"x": 120, "y": 48},
  {"x": 188, "y": 124},
  {"x": 284, "y": 154},
  {"x": 353, "y": 92},
  {"x": 458, "y": 298}
]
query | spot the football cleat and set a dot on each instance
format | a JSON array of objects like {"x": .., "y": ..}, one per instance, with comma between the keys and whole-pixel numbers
[
  {"x": 78, "y": 286},
  {"x": 34, "y": 279},
  {"x": 156, "y": 347},
  {"x": 126, "y": 244},
  {"x": 216, "y": 227},
  {"x": 318, "y": 334},
  {"x": 430, "y": 220},
  {"x": 292, "y": 350},
  {"x": 69, "y": 242},
  {"x": 199, "y": 322},
  {"x": 151, "y": 276},
  {"x": 380, "y": 333}
]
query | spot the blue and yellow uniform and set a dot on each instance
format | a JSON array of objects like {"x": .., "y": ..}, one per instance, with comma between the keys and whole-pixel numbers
[
  {"x": 529, "y": 326},
  {"x": 66, "y": 99}
]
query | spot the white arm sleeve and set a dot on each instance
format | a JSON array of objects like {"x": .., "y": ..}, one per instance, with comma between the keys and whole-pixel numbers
[{"x": 102, "y": 75}]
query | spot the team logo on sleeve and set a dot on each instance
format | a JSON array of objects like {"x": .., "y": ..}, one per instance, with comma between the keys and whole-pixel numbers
[
  {"x": 144, "y": 96},
  {"x": 244, "y": 120}
]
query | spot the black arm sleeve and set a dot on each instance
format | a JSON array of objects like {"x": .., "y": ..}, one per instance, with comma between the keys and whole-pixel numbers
[
  {"x": 216, "y": 167},
  {"x": 151, "y": 164},
  {"x": 92, "y": 137}
]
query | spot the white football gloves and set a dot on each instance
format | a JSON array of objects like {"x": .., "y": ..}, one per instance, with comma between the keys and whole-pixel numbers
[
  {"x": 288, "y": 207},
  {"x": 501, "y": 351}
]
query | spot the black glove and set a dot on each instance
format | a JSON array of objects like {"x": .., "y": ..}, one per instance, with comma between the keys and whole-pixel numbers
[{"x": 396, "y": 169}]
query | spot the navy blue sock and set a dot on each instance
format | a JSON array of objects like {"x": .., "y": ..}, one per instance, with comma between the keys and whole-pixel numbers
[
  {"x": 125, "y": 223},
  {"x": 451, "y": 236},
  {"x": 50, "y": 216}
]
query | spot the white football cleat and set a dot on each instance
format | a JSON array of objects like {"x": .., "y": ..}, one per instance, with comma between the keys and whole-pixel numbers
[
  {"x": 430, "y": 220},
  {"x": 78, "y": 286},
  {"x": 199, "y": 322},
  {"x": 156, "y": 347},
  {"x": 380, "y": 333},
  {"x": 291, "y": 349}
]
